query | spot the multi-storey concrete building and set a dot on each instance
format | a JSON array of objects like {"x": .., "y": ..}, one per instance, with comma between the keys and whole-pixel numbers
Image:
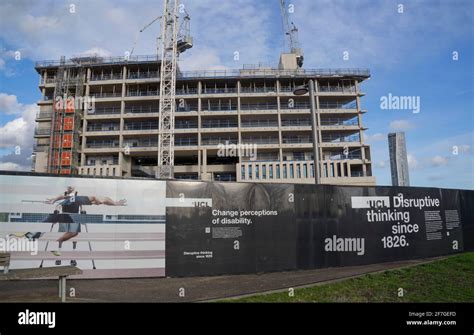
[
  {"x": 398, "y": 159},
  {"x": 254, "y": 106}
]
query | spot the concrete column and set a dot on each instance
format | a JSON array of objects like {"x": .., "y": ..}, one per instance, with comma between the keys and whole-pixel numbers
[
  {"x": 199, "y": 164},
  {"x": 124, "y": 78},
  {"x": 205, "y": 175},
  {"x": 239, "y": 119},
  {"x": 84, "y": 140},
  {"x": 280, "y": 136},
  {"x": 361, "y": 132},
  {"x": 199, "y": 125},
  {"x": 122, "y": 122},
  {"x": 88, "y": 74}
]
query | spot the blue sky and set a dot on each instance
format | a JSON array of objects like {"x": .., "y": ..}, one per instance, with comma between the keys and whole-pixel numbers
[{"x": 409, "y": 54}]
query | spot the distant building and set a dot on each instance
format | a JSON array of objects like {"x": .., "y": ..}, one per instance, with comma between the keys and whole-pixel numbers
[{"x": 398, "y": 159}]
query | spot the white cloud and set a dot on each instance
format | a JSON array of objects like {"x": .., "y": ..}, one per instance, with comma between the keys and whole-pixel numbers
[
  {"x": 375, "y": 137},
  {"x": 203, "y": 58},
  {"x": 9, "y": 104},
  {"x": 380, "y": 164},
  {"x": 464, "y": 149},
  {"x": 95, "y": 52},
  {"x": 49, "y": 31},
  {"x": 374, "y": 33},
  {"x": 439, "y": 161},
  {"x": 412, "y": 162},
  {"x": 9, "y": 166},
  {"x": 19, "y": 131},
  {"x": 401, "y": 125},
  {"x": 7, "y": 57}
]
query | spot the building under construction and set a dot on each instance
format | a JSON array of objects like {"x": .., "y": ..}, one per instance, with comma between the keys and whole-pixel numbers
[
  {"x": 119, "y": 135},
  {"x": 254, "y": 107}
]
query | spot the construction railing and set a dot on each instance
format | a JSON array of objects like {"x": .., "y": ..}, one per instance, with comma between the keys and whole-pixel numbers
[
  {"x": 141, "y": 126},
  {"x": 218, "y": 140},
  {"x": 132, "y": 143},
  {"x": 185, "y": 124},
  {"x": 143, "y": 75},
  {"x": 141, "y": 109},
  {"x": 296, "y": 123},
  {"x": 296, "y": 139},
  {"x": 334, "y": 138},
  {"x": 103, "y": 127},
  {"x": 219, "y": 124},
  {"x": 102, "y": 144},
  {"x": 108, "y": 76},
  {"x": 104, "y": 111},
  {"x": 339, "y": 122},
  {"x": 180, "y": 142},
  {"x": 259, "y": 123},
  {"x": 260, "y": 140}
]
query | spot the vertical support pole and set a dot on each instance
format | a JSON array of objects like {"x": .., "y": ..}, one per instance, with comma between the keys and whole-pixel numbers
[
  {"x": 314, "y": 126},
  {"x": 60, "y": 287},
  {"x": 63, "y": 288}
]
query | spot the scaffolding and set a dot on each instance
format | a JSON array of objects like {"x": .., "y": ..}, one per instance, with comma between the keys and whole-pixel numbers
[{"x": 66, "y": 119}]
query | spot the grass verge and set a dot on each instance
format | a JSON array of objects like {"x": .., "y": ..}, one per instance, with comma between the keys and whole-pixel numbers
[{"x": 447, "y": 280}]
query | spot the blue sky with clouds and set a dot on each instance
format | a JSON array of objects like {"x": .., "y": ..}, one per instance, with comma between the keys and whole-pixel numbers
[{"x": 409, "y": 54}]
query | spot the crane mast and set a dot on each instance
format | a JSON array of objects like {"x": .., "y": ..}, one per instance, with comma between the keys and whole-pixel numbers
[
  {"x": 169, "y": 56},
  {"x": 291, "y": 33}
]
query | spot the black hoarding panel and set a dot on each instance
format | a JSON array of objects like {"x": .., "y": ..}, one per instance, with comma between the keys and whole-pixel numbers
[
  {"x": 362, "y": 225},
  {"x": 467, "y": 218},
  {"x": 275, "y": 234},
  {"x": 229, "y": 228},
  {"x": 311, "y": 213},
  {"x": 451, "y": 217}
]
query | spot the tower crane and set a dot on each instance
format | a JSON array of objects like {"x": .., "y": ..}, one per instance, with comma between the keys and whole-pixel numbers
[
  {"x": 171, "y": 44},
  {"x": 291, "y": 33},
  {"x": 172, "y": 41}
]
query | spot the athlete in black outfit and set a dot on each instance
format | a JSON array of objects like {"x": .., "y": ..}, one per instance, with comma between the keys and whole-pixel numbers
[{"x": 72, "y": 203}]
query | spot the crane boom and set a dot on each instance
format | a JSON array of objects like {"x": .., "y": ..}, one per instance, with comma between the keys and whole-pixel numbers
[{"x": 141, "y": 31}]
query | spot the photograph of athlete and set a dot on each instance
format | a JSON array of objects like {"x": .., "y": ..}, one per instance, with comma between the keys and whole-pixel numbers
[
  {"x": 69, "y": 203},
  {"x": 71, "y": 196}
]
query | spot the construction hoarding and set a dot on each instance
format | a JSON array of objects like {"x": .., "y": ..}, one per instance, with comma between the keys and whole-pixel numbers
[
  {"x": 114, "y": 227},
  {"x": 252, "y": 228}
]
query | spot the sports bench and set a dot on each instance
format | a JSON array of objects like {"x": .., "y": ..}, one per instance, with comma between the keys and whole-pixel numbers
[{"x": 59, "y": 271}]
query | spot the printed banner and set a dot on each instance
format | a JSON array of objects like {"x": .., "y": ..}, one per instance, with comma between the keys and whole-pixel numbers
[{"x": 106, "y": 227}]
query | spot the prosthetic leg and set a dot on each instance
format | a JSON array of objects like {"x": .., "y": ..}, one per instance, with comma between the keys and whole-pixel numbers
[
  {"x": 50, "y": 230},
  {"x": 47, "y": 243},
  {"x": 88, "y": 241}
]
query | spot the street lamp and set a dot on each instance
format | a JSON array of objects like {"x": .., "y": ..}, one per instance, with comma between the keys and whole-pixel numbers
[{"x": 302, "y": 90}]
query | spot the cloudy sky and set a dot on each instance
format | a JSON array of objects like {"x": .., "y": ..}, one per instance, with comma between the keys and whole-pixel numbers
[{"x": 423, "y": 50}]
